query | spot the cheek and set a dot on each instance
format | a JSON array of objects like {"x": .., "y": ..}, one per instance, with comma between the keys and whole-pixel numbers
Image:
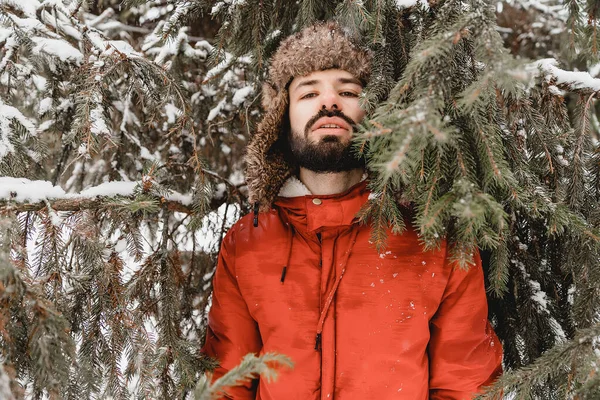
[
  {"x": 299, "y": 116},
  {"x": 355, "y": 112}
]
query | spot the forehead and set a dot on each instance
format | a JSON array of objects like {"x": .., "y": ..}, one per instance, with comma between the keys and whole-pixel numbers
[{"x": 329, "y": 76}]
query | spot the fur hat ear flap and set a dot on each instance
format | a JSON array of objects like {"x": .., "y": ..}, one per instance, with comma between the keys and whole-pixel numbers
[
  {"x": 269, "y": 93},
  {"x": 266, "y": 167}
]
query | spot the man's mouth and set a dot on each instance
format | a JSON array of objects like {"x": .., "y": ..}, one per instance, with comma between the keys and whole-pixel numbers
[{"x": 332, "y": 125}]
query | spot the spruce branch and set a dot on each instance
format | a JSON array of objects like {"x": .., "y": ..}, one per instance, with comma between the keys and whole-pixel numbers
[
  {"x": 78, "y": 204},
  {"x": 560, "y": 361},
  {"x": 266, "y": 366},
  {"x": 384, "y": 215}
]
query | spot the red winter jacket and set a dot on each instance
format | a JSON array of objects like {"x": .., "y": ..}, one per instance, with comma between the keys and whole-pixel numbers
[{"x": 405, "y": 324}]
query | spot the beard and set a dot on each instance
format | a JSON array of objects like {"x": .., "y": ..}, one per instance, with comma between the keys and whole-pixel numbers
[{"x": 329, "y": 154}]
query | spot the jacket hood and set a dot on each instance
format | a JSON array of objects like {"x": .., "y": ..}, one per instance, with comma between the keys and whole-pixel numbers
[{"x": 318, "y": 47}]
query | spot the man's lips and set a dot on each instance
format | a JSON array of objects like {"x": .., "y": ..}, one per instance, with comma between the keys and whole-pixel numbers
[{"x": 331, "y": 123}]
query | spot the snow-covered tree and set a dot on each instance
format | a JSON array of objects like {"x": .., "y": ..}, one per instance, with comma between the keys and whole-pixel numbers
[
  {"x": 118, "y": 182},
  {"x": 121, "y": 133}
]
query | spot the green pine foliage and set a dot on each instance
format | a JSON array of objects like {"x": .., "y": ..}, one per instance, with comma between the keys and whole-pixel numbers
[
  {"x": 104, "y": 294},
  {"x": 472, "y": 136},
  {"x": 266, "y": 365},
  {"x": 492, "y": 151}
]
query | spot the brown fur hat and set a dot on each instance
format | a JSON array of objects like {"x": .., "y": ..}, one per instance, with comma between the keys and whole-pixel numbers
[{"x": 315, "y": 48}]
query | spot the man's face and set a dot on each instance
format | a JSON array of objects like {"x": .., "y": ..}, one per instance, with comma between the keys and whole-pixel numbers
[{"x": 323, "y": 114}]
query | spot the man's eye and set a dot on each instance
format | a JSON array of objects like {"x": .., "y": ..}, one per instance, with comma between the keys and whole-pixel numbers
[
  {"x": 348, "y": 94},
  {"x": 308, "y": 96}
]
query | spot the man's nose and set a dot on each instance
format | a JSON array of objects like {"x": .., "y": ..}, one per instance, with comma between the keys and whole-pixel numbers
[{"x": 331, "y": 100}]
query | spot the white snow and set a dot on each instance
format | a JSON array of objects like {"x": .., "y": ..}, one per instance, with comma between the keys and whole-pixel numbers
[
  {"x": 97, "y": 40},
  {"x": 45, "y": 105},
  {"x": 185, "y": 199},
  {"x": 172, "y": 112},
  {"x": 29, "y": 7},
  {"x": 7, "y": 115},
  {"x": 146, "y": 155},
  {"x": 25, "y": 190},
  {"x": 539, "y": 296},
  {"x": 229, "y": 4},
  {"x": 9, "y": 47},
  {"x": 558, "y": 330},
  {"x": 172, "y": 47},
  {"x": 411, "y": 3},
  {"x": 556, "y": 91},
  {"x": 562, "y": 161},
  {"x": 108, "y": 13},
  {"x": 594, "y": 70},
  {"x": 4, "y": 33},
  {"x": 121, "y": 246},
  {"x": 57, "y": 48},
  {"x": 216, "y": 110},
  {"x": 44, "y": 126},
  {"x": 575, "y": 79},
  {"x": 29, "y": 24},
  {"x": 218, "y": 69},
  {"x": 98, "y": 124},
  {"x": 217, "y": 7},
  {"x": 240, "y": 95},
  {"x": 183, "y": 7},
  {"x": 122, "y": 47},
  {"x": 236, "y": 177},
  {"x": 21, "y": 189},
  {"x": 109, "y": 189},
  {"x": 60, "y": 24}
]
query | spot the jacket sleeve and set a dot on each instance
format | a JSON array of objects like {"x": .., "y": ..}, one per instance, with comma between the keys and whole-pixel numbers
[
  {"x": 464, "y": 352},
  {"x": 232, "y": 332}
]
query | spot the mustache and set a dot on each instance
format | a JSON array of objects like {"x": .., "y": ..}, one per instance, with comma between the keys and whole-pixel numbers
[{"x": 328, "y": 113}]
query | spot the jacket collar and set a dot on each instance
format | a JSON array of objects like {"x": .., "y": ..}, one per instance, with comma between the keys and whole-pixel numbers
[{"x": 314, "y": 213}]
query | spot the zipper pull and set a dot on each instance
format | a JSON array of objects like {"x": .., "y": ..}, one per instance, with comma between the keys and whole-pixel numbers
[{"x": 317, "y": 341}]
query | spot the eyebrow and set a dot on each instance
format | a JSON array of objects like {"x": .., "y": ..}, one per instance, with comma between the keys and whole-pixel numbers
[{"x": 339, "y": 80}]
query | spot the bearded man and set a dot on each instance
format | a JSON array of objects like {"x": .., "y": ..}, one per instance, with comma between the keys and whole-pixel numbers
[{"x": 300, "y": 278}]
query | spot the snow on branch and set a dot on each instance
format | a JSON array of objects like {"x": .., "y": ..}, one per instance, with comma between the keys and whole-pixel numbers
[
  {"x": 411, "y": 3},
  {"x": 34, "y": 195},
  {"x": 574, "y": 80}
]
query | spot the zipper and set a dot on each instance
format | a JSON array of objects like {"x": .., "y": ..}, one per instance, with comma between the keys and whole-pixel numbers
[{"x": 318, "y": 336}]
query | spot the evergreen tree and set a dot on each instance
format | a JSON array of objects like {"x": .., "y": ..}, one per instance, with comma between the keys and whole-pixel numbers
[{"x": 121, "y": 130}]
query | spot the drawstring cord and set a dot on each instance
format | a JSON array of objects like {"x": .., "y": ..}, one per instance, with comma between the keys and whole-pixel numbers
[
  {"x": 289, "y": 255},
  {"x": 333, "y": 290},
  {"x": 291, "y": 241},
  {"x": 335, "y": 285}
]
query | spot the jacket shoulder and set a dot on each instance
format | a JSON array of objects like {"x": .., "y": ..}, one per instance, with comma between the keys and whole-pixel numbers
[{"x": 244, "y": 231}]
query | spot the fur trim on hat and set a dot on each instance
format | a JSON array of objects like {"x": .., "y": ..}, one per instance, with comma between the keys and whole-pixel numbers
[{"x": 316, "y": 48}]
